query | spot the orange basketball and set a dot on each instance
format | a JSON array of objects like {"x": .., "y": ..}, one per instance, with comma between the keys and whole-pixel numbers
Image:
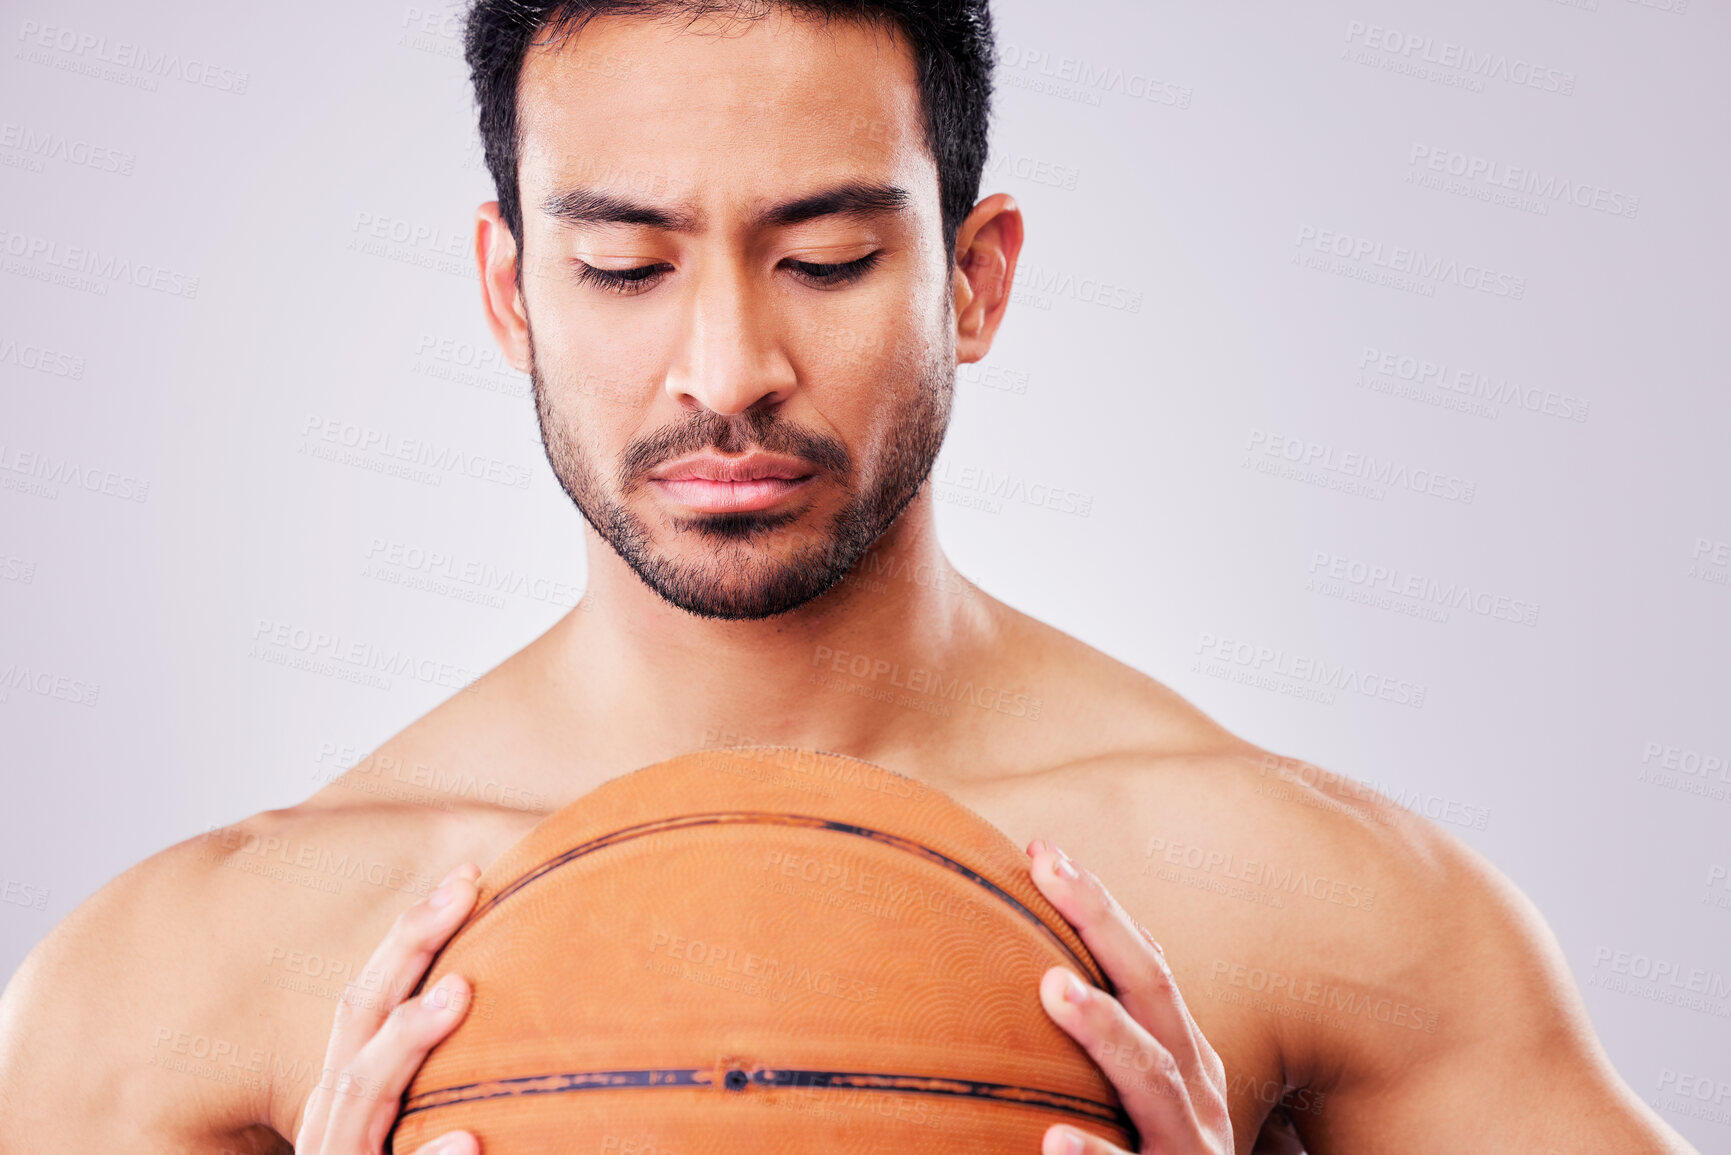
[{"x": 760, "y": 950}]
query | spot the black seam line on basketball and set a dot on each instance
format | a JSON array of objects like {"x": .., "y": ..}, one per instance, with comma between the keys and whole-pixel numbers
[
  {"x": 1099, "y": 978},
  {"x": 774, "y": 1077}
]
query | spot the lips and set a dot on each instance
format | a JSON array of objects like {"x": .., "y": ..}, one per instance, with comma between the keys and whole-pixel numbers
[{"x": 712, "y": 483}]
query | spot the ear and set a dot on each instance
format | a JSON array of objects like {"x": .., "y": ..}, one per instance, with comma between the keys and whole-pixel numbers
[
  {"x": 501, "y": 299},
  {"x": 987, "y": 245}
]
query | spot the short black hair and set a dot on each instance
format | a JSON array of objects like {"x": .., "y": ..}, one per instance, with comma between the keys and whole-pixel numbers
[{"x": 951, "y": 41}]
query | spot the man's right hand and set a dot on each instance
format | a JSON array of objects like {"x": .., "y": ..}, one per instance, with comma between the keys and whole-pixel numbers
[{"x": 378, "y": 1040}]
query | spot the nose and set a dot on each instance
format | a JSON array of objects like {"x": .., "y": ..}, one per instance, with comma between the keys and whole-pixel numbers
[{"x": 729, "y": 356}]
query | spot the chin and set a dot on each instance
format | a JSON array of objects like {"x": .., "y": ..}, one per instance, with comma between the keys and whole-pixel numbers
[{"x": 735, "y": 587}]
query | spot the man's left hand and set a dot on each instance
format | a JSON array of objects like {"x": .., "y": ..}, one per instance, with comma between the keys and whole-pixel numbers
[{"x": 1172, "y": 1084}]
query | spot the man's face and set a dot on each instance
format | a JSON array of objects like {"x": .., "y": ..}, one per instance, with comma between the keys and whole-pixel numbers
[{"x": 738, "y": 299}]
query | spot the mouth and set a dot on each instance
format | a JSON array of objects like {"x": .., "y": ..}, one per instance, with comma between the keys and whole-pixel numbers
[{"x": 708, "y": 482}]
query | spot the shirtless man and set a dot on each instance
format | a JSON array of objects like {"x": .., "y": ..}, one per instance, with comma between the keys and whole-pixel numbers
[{"x": 734, "y": 244}]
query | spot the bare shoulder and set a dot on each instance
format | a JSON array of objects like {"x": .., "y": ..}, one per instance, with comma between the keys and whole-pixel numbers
[
  {"x": 185, "y": 1002},
  {"x": 1358, "y": 925},
  {"x": 1325, "y": 938},
  {"x": 1267, "y": 872},
  {"x": 120, "y": 1028},
  {"x": 1370, "y": 956},
  {"x": 1273, "y": 874}
]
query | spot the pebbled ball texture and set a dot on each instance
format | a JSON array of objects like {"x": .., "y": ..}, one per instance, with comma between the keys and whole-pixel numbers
[{"x": 762, "y": 950}]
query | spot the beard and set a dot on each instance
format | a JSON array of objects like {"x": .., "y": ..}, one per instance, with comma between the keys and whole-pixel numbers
[{"x": 738, "y": 580}]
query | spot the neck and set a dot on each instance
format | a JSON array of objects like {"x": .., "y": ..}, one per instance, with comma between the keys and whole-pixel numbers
[{"x": 838, "y": 673}]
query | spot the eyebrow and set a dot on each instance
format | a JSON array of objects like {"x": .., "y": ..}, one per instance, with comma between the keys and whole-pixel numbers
[
  {"x": 587, "y": 206},
  {"x": 848, "y": 200}
]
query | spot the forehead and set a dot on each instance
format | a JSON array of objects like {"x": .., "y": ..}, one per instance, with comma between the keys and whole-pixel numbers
[{"x": 747, "y": 111}]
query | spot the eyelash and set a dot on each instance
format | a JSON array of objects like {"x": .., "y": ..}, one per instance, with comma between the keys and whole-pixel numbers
[
  {"x": 832, "y": 276},
  {"x": 626, "y": 282},
  {"x": 630, "y": 282}
]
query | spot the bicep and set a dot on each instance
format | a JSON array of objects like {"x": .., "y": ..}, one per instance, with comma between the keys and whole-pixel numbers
[
  {"x": 1506, "y": 1061},
  {"x": 1512, "y": 1095}
]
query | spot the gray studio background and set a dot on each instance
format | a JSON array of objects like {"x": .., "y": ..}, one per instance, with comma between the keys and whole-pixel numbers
[{"x": 1327, "y": 310}]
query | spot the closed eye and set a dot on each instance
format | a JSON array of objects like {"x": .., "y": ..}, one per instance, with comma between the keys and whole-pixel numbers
[
  {"x": 628, "y": 282},
  {"x": 834, "y": 276},
  {"x": 623, "y": 281}
]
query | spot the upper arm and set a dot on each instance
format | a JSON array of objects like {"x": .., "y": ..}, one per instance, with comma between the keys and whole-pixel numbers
[
  {"x": 111, "y": 1037},
  {"x": 1497, "y": 1053}
]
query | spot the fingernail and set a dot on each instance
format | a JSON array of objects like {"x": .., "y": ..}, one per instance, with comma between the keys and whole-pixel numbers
[
  {"x": 442, "y": 895},
  {"x": 1063, "y": 867},
  {"x": 1074, "y": 991},
  {"x": 442, "y": 996},
  {"x": 463, "y": 870},
  {"x": 1072, "y": 1144}
]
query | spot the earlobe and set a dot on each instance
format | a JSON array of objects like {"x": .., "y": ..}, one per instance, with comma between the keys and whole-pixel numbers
[{"x": 501, "y": 296}]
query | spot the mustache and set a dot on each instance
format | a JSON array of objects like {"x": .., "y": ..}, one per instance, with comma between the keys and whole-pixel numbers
[{"x": 753, "y": 429}]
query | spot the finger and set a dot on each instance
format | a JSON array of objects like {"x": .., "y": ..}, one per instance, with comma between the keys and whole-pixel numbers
[
  {"x": 1147, "y": 1078},
  {"x": 392, "y": 971},
  {"x": 366, "y": 1094},
  {"x": 399, "y": 962},
  {"x": 454, "y": 1143},
  {"x": 1124, "y": 951},
  {"x": 1062, "y": 1140},
  {"x": 1210, "y": 1058}
]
